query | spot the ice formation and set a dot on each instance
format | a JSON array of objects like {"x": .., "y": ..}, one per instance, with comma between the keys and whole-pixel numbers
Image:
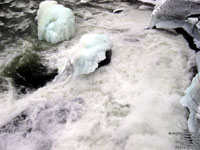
[
  {"x": 56, "y": 23},
  {"x": 191, "y": 100},
  {"x": 91, "y": 50},
  {"x": 168, "y": 15}
]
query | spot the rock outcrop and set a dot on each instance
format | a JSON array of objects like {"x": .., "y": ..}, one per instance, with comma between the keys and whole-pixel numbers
[{"x": 168, "y": 15}]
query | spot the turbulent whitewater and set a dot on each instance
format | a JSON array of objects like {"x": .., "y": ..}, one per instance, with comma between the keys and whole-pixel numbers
[{"x": 131, "y": 104}]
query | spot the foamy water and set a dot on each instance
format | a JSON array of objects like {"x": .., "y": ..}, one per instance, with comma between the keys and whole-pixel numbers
[{"x": 131, "y": 104}]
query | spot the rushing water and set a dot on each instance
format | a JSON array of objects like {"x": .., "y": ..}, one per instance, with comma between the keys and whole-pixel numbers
[{"x": 131, "y": 104}]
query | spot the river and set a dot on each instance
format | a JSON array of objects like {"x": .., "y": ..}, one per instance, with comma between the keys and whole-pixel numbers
[{"x": 131, "y": 104}]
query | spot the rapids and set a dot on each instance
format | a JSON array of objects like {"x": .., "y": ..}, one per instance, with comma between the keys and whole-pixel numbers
[{"x": 131, "y": 104}]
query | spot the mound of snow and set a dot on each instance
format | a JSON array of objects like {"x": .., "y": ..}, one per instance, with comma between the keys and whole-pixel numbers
[
  {"x": 90, "y": 52},
  {"x": 56, "y": 23}
]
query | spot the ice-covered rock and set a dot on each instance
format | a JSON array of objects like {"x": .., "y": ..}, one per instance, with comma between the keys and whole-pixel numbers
[
  {"x": 56, "y": 23},
  {"x": 174, "y": 14},
  {"x": 191, "y": 100},
  {"x": 93, "y": 51}
]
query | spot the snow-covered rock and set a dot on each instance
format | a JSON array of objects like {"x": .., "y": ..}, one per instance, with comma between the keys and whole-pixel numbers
[
  {"x": 173, "y": 14},
  {"x": 56, "y": 23},
  {"x": 191, "y": 100},
  {"x": 90, "y": 52}
]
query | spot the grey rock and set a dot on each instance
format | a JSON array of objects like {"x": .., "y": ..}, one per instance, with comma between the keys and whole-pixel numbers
[{"x": 176, "y": 14}]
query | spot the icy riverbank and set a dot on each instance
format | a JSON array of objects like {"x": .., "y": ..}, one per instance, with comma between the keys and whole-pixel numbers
[{"x": 169, "y": 16}]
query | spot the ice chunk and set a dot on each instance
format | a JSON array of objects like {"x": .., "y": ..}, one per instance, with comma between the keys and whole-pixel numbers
[
  {"x": 90, "y": 52},
  {"x": 56, "y": 23},
  {"x": 191, "y": 100}
]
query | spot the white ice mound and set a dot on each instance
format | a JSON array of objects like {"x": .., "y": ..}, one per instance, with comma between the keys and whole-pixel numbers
[
  {"x": 56, "y": 23},
  {"x": 91, "y": 50},
  {"x": 191, "y": 100}
]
